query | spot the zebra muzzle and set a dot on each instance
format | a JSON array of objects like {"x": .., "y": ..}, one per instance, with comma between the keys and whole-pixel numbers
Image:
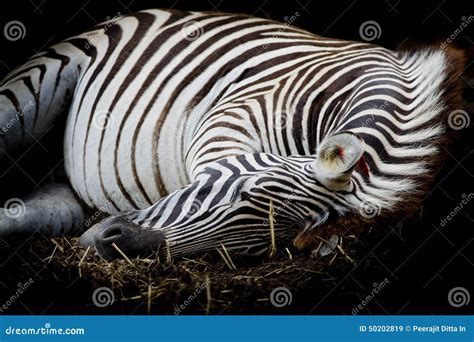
[{"x": 116, "y": 237}]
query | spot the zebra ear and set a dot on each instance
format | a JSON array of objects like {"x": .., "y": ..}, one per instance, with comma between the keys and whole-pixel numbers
[{"x": 336, "y": 158}]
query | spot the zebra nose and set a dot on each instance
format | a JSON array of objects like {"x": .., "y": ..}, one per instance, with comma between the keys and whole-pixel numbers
[
  {"x": 110, "y": 243},
  {"x": 119, "y": 238},
  {"x": 112, "y": 234}
]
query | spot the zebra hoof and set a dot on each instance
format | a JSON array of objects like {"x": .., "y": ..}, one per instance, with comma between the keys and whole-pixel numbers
[{"x": 116, "y": 238}]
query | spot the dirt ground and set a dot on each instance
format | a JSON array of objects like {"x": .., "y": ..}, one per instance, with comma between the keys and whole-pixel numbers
[
  {"x": 57, "y": 277},
  {"x": 65, "y": 278}
]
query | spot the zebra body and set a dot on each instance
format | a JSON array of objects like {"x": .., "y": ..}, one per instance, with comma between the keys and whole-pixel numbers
[{"x": 173, "y": 116}]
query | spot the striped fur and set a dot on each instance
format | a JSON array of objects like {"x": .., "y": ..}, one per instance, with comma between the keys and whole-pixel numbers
[{"x": 169, "y": 109}]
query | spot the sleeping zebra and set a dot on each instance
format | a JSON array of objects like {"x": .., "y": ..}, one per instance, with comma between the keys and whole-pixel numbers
[{"x": 188, "y": 128}]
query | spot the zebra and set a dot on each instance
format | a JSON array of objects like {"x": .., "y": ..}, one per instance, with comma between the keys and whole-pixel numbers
[{"x": 197, "y": 130}]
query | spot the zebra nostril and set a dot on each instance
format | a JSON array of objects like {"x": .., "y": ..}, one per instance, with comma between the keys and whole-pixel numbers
[
  {"x": 112, "y": 234},
  {"x": 117, "y": 236},
  {"x": 109, "y": 239}
]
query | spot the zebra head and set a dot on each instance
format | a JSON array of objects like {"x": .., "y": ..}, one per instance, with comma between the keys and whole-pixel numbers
[{"x": 229, "y": 202}]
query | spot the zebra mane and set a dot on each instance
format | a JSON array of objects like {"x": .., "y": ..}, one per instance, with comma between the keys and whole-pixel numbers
[{"x": 422, "y": 143}]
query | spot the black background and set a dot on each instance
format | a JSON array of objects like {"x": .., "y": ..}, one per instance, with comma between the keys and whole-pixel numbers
[{"x": 423, "y": 260}]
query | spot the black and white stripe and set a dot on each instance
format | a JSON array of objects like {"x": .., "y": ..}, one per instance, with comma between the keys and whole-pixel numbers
[{"x": 169, "y": 109}]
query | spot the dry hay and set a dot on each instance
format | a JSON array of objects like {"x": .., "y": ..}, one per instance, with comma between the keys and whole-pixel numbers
[{"x": 212, "y": 283}]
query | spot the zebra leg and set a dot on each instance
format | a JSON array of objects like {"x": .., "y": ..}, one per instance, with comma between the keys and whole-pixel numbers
[{"x": 52, "y": 212}]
